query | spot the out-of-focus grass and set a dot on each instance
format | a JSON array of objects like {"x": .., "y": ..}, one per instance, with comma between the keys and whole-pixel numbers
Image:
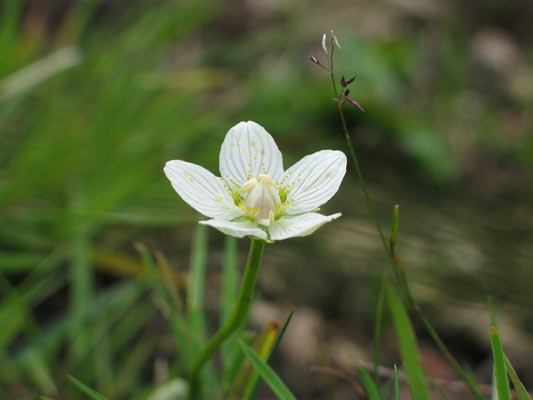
[{"x": 82, "y": 151}]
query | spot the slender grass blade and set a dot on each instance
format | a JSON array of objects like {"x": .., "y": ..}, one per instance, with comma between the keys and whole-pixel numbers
[
  {"x": 271, "y": 378},
  {"x": 378, "y": 325},
  {"x": 177, "y": 322},
  {"x": 264, "y": 349},
  {"x": 396, "y": 384},
  {"x": 93, "y": 394},
  {"x": 255, "y": 386},
  {"x": 195, "y": 299},
  {"x": 228, "y": 296},
  {"x": 371, "y": 389},
  {"x": 408, "y": 347},
  {"x": 517, "y": 383},
  {"x": 502, "y": 385},
  {"x": 196, "y": 285}
]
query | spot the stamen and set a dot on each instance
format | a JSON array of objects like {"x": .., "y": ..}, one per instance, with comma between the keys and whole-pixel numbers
[{"x": 250, "y": 185}]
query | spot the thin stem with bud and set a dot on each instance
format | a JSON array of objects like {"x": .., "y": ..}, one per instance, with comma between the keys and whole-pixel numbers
[{"x": 399, "y": 273}]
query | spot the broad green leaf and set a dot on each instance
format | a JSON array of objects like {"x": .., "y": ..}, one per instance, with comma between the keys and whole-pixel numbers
[
  {"x": 93, "y": 394},
  {"x": 412, "y": 361},
  {"x": 267, "y": 373}
]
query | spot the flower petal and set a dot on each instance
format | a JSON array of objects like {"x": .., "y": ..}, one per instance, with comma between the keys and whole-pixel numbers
[
  {"x": 201, "y": 189},
  {"x": 299, "y": 225},
  {"x": 238, "y": 229},
  {"x": 313, "y": 180},
  {"x": 247, "y": 151}
]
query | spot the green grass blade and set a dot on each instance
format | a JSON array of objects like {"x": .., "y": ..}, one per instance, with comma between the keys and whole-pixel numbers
[
  {"x": 93, "y": 394},
  {"x": 81, "y": 270},
  {"x": 17, "y": 262},
  {"x": 177, "y": 323},
  {"x": 408, "y": 347},
  {"x": 229, "y": 278},
  {"x": 267, "y": 373},
  {"x": 378, "y": 325},
  {"x": 371, "y": 389},
  {"x": 228, "y": 295},
  {"x": 502, "y": 385},
  {"x": 257, "y": 380},
  {"x": 492, "y": 312},
  {"x": 517, "y": 383},
  {"x": 231, "y": 384},
  {"x": 394, "y": 227},
  {"x": 195, "y": 299},
  {"x": 396, "y": 383},
  {"x": 196, "y": 285},
  {"x": 262, "y": 345}
]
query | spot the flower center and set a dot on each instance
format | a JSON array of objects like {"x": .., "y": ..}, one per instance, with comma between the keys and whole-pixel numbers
[{"x": 262, "y": 196}]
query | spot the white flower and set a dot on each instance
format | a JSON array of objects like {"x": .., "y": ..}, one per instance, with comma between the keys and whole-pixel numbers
[{"x": 255, "y": 196}]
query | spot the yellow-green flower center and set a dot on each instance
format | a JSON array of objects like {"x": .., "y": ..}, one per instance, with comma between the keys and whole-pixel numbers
[{"x": 262, "y": 198}]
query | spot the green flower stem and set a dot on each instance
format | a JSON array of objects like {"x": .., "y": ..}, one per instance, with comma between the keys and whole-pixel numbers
[{"x": 237, "y": 317}]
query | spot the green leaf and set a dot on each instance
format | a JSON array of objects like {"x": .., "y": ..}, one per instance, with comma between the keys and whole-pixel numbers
[
  {"x": 177, "y": 322},
  {"x": 492, "y": 312},
  {"x": 378, "y": 325},
  {"x": 228, "y": 296},
  {"x": 370, "y": 386},
  {"x": 196, "y": 284},
  {"x": 93, "y": 394},
  {"x": 395, "y": 224},
  {"x": 229, "y": 279},
  {"x": 195, "y": 298},
  {"x": 249, "y": 395},
  {"x": 267, "y": 373},
  {"x": 416, "y": 378},
  {"x": 517, "y": 383},
  {"x": 502, "y": 385}
]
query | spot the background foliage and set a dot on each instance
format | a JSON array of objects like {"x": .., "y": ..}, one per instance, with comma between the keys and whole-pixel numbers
[{"x": 85, "y": 133}]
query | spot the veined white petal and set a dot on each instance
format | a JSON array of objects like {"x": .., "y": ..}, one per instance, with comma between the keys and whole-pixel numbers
[
  {"x": 238, "y": 229},
  {"x": 248, "y": 150},
  {"x": 201, "y": 189},
  {"x": 299, "y": 225},
  {"x": 313, "y": 180}
]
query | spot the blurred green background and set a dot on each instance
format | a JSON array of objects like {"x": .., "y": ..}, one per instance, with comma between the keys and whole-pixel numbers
[{"x": 95, "y": 96}]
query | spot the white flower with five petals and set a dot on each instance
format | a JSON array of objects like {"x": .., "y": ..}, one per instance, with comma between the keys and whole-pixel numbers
[{"x": 254, "y": 195}]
